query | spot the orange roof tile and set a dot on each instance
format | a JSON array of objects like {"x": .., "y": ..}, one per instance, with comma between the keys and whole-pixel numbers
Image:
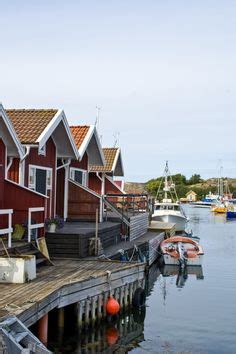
[
  {"x": 79, "y": 133},
  {"x": 110, "y": 155},
  {"x": 30, "y": 123}
]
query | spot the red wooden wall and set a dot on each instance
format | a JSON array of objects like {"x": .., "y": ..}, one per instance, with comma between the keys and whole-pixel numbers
[
  {"x": 95, "y": 183},
  {"x": 2, "y": 171},
  {"x": 45, "y": 161},
  {"x": 82, "y": 205},
  {"x": 60, "y": 192},
  {"x": 13, "y": 173},
  {"x": 110, "y": 188},
  {"x": 83, "y": 164}
]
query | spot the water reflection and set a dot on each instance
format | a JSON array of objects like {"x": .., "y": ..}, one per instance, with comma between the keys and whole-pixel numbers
[
  {"x": 182, "y": 274},
  {"x": 122, "y": 334}
]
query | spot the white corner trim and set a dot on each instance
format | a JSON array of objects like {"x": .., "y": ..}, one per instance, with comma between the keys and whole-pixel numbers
[
  {"x": 118, "y": 154},
  {"x": 86, "y": 141},
  {"x": 12, "y": 131},
  {"x": 48, "y": 131}
]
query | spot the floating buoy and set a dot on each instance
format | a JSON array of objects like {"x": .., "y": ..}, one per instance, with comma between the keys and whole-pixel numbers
[
  {"x": 112, "y": 335},
  {"x": 112, "y": 306}
]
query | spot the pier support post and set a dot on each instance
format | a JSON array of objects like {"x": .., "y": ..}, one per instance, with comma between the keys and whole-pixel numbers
[
  {"x": 61, "y": 323},
  {"x": 43, "y": 329}
]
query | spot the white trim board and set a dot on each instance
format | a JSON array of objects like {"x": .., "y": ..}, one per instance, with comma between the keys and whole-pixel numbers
[
  {"x": 48, "y": 131},
  {"x": 12, "y": 131},
  {"x": 91, "y": 132}
]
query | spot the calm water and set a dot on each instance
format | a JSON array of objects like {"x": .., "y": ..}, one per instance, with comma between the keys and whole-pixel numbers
[{"x": 192, "y": 313}]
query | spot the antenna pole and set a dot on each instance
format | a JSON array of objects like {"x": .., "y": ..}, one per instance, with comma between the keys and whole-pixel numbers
[{"x": 98, "y": 118}]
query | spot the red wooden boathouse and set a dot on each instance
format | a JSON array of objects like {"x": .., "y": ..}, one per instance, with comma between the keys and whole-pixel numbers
[
  {"x": 17, "y": 203},
  {"x": 49, "y": 147},
  {"x": 101, "y": 178},
  {"x": 82, "y": 200}
]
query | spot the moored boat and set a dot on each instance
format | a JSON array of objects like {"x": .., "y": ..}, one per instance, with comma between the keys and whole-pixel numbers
[
  {"x": 181, "y": 250},
  {"x": 168, "y": 211}
]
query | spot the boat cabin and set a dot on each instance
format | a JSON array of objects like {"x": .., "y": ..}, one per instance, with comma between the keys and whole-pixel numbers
[{"x": 167, "y": 206}]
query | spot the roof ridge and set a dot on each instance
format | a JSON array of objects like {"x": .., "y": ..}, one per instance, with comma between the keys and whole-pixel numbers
[
  {"x": 31, "y": 109},
  {"x": 84, "y": 125}
]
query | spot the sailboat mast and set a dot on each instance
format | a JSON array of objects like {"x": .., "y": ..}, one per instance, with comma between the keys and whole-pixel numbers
[{"x": 166, "y": 179}]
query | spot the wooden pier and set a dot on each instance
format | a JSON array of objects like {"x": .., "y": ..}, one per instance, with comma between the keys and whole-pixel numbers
[
  {"x": 148, "y": 244},
  {"x": 69, "y": 282},
  {"x": 167, "y": 228}
]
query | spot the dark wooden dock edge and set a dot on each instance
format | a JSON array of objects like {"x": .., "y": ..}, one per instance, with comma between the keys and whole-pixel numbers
[{"x": 87, "y": 289}]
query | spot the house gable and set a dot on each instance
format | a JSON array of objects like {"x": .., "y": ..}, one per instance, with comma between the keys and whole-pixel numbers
[{"x": 87, "y": 141}]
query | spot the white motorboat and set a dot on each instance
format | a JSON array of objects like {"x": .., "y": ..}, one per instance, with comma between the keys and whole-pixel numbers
[{"x": 168, "y": 211}]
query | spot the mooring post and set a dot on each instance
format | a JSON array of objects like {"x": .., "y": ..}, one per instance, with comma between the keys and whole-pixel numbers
[
  {"x": 126, "y": 292},
  {"x": 61, "y": 323},
  {"x": 93, "y": 309},
  {"x": 99, "y": 307},
  {"x": 43, "y": 329},
  {"x": 80, "y": 314},
  {"x": 87, "y": 310},
  {"x": 130, "y": 293}
]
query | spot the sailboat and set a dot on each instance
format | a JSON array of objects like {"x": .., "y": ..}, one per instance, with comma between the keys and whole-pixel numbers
[{"x": 167, "y": 210}]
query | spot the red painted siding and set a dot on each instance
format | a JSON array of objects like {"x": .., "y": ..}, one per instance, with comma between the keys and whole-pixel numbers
[
  {"x": 82, "y": 205},
  {"x": 110, "y": 188},
  {"x": 13, "y": 173},
  {"x": 20, "y": 200},
  {"x": 45, "y": 161},
  {"x": 60, "y": 192},
  {"x": 95, "y": 183},
  {"x": 83, "y": 164},
  {"x": 2, "y": 171}
]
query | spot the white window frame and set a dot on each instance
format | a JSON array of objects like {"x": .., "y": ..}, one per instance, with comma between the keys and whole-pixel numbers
[
  {"x": 84, "y": 175},
  {"x": 32, "y": 185}
]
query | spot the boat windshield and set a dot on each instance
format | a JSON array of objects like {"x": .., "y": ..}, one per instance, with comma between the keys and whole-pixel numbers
[{"x": 167, "y": 207}]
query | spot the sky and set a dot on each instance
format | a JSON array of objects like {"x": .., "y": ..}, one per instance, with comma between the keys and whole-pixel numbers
[{"x": 163, "y": 73}]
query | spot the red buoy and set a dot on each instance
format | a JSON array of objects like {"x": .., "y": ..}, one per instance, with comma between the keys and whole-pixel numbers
[
  {"x": 112, "y": 306},
  {"x": 112, "y": 335}
]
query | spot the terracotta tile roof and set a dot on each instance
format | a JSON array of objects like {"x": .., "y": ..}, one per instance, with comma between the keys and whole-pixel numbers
[
  {"x": 30, "y": 123},
  {"x": 110, "y": 155},
  {"x": 79, "y": 133}
]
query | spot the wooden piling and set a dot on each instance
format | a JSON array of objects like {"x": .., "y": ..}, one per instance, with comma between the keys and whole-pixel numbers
[{"x": 43, "y": 329}]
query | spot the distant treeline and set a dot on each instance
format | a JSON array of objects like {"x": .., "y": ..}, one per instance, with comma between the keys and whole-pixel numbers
[{"x": 184, "y": 185}]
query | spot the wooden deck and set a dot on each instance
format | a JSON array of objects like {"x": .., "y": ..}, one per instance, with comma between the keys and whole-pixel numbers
[
  {"x": 168, "y": 228},
  {"x": 85, "y": 228},
  {"x": 149, "y": 242},
  {"x": 63, "y": 284}
]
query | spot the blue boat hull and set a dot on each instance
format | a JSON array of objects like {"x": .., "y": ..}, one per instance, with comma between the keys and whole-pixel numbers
[{"x": 231, "y": 214}]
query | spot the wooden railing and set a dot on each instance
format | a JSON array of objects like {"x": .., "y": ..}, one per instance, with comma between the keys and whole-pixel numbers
[
  {"x": 33, "y": 226},
  {"x": 9, "y": 229},
  {"x": 128, "y": 204}
]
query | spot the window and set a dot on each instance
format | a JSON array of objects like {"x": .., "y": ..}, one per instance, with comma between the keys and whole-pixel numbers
[
  {"x": 80, "y": 176},
  {"x": 40, "y": 179}
]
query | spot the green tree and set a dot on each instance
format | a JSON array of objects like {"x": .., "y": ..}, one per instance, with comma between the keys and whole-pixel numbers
[{"x": 194, "y": 179}]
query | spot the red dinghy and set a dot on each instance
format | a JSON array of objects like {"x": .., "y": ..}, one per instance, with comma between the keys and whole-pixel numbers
[{"x": 180, "y": 250}]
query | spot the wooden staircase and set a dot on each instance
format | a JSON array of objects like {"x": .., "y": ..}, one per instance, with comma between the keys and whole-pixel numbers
[
  {"x": 16, "y": 338},
  {"x": 28, "y": 249}
]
